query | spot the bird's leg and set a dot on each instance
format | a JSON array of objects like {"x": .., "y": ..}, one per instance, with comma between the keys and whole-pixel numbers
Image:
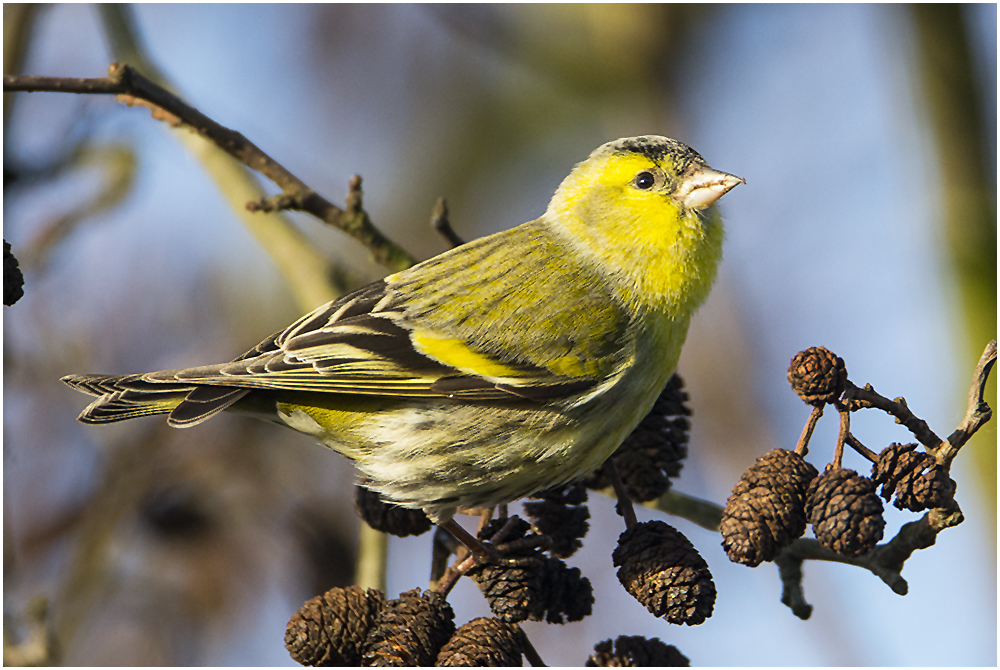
[
  {"x": 491, "y": 552},
  {"x": 451, "y": 575},
  {"x": 479, "y": 554},
  {"x": 484, "y": 553},
  {"x": 445, "y": 544}
]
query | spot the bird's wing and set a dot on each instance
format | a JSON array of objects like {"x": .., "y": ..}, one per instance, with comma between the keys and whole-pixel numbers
[{"x": 461, "y": 325}]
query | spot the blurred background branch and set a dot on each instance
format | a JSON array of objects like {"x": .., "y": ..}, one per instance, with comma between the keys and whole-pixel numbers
[
  {"x": 310, "y": 275},
  {"x": 967, "y": 168}
]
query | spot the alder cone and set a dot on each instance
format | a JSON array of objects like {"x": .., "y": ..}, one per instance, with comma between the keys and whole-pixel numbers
[
  {"x": 409, "y": 630},
  {"x": 483, "y": 642},
  {"x": 388, "y": 517},
  {"x": 914, "y": 477},
  {"x": 330, "y": 629},
  {"x": 817, "y": 375},
  {"x": 766, "y": 510},
  {"x": 663, "y": 571},
  {"x": 655, "y": 450},
  {"x": 635, "y": 651},
  {"x": 845, "y": 512}
]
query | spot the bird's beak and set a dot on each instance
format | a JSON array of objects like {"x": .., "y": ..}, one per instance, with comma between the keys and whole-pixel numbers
[{"x": 704, "y": 186}]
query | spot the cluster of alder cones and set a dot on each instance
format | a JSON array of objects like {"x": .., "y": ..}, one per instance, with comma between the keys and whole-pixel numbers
[
  {"x": 781, "y": 493},
  {"x": 352, "y": 627}
]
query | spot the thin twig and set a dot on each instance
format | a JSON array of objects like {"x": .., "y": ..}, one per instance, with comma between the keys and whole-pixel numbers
[
  {"x": 125, "y": 80},
  {"x": 311, "y": 276},
  {"x": 624, "y": 499},
  {"x": 855, "y": 444},
  {"x": 529, "y": 650},
  {"x": 807, "y": 548},
  {"x": 705, "y": 513},
  {"x": 977, "y": 411},
  {"x": 918, "y": 534},
  {"x": 792, "y": 594},
  {"x": 845, "y": 430},
  {"x": 440, "y": 223},
  {"x": 98, "y": 85},
  {"x": 886, "y": 560},
  {"x": 867, "y": 397},
  {"x": 802, "y": 448}
]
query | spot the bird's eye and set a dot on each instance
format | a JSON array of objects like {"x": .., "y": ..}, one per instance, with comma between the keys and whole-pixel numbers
[{"x": 644, "y": 180}]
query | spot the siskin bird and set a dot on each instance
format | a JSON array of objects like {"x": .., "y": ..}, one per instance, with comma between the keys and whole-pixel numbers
[{"x": 505, "y": 366}]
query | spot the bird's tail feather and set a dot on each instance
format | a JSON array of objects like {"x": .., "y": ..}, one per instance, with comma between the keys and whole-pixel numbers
[{"x": 122, "y": 397}]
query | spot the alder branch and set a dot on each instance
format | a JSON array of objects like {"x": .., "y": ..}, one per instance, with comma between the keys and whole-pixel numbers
[
  {"x": 856, "y": 444},
  {"x": 129, "y": 85},
  {"x": 977, "y": 411},
  {"x": 441, "y": 223},
  {"x": 704, "y": 513},
  {"x": 802, "y": 448},
  {"x": 529, "y": 651},
  {"x": 886, "y": 560},
  {"x": 863, "y": 398},
  {"x": 310, "y": 275}
]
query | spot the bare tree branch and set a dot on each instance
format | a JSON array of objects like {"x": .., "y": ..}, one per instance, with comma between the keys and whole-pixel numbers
[
  {"x": 977, "y": 412},
  {"x": 125, "y": 82},
  {"x": 440, "y": 223},
  {"x": 867, "y": 397}
]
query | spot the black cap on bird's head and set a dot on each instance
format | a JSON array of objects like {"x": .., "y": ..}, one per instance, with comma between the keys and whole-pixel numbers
[{"x": 658, "y": 148}]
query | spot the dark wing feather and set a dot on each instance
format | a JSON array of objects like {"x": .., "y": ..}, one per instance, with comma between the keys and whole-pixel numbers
[{"x": 203, "y": 403}]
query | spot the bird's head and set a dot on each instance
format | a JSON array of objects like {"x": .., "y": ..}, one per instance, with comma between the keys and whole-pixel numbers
[{"x": 637, "y": 204}]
